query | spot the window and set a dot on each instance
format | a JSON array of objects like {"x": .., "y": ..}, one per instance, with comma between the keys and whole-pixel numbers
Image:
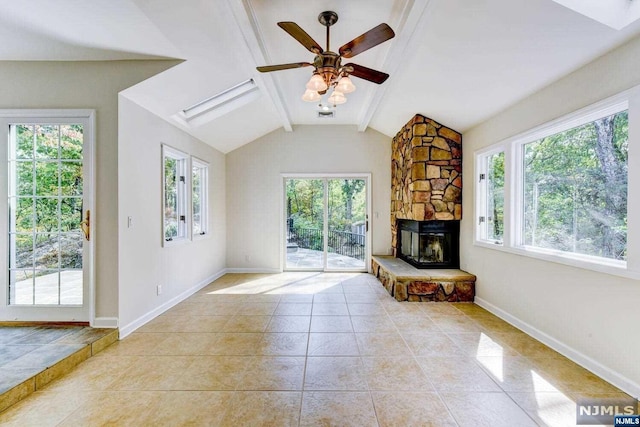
[
  {"x": 199, "y": 197},
  {"x": 559, "y": 191},
  {"x": 174, "y": 178},
  {"x": 574, "y": 195},
  {"x": 491, "y": 197}
]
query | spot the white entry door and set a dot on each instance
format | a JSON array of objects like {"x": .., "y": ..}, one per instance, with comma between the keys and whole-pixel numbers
[{"x": 47, "y": 181}]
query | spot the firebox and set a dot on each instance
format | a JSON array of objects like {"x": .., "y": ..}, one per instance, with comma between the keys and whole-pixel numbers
[{"x": 429, "y": 244}]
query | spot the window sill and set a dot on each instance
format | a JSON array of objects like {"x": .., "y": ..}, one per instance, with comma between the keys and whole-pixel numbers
[{"x": 612, "y": 267}]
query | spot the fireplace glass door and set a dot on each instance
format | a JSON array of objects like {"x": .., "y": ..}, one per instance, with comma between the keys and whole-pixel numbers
[{"x": 429, "y": 244}]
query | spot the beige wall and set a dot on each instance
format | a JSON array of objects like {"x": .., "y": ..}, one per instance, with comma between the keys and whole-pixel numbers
[
  {"x": 592, "y": 317},
  {"x": 254, "y": 185},
  {"x": 93, "y": 85},
  {"x": 144, "y": 263}
]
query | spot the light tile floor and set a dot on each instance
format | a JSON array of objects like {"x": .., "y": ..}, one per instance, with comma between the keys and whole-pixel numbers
[{"x": 310, "y": 349}]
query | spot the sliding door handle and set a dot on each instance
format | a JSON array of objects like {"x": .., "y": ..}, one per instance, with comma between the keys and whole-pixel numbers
[{"x": 86, "y": 225}]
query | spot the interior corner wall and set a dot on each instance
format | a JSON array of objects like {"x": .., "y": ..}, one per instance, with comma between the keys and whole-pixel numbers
[
  {"x": 255, "y": 192},
  {"x": 593, "y": 316},
  {"x": 93, "y": 85},
  {"x": 184, "y": 267}
]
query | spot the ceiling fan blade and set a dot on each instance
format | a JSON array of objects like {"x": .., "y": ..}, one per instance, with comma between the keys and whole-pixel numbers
[
  {"x": 367, "y": 73},
  {"x": 269, "y": 68},
  {"x": 299, "y": 34},
  {"x": 371, "y": 38}
]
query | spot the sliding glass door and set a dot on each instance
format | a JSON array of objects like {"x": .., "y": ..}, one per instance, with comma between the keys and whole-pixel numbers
[{"x": 326, "y": 223}]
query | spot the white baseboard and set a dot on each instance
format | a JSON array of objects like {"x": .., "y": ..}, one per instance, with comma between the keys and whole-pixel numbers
[
  {"x": 142, "y": 320},
  {"x": 254, "y": 270},
  {"x": 581, "y": 359},
  {"x": 105, "y": 322}
]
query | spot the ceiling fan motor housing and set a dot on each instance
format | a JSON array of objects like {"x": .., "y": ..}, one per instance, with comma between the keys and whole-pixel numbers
[{"x": 328, "y": 65}]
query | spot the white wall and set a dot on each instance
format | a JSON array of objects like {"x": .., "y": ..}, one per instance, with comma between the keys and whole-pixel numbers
[
  {"x": 95, "y": 85},
  {"x": 144, "y": 262},
  {"x": 592, "y": 317},
  {"x": 254, "y": 185}
]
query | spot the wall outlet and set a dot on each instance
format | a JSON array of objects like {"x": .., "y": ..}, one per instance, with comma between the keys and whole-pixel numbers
[{"x": 159, "y": 290}]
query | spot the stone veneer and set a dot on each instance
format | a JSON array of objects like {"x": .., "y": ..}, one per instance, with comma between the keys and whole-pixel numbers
[
  {"x": 426, "y": 173},
  {"x": 407, "y": 283}
]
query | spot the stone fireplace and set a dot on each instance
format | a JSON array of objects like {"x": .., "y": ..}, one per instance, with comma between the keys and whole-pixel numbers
[
  {"x": 426, "y": 174},
  {"x": 426, "y": 209}
]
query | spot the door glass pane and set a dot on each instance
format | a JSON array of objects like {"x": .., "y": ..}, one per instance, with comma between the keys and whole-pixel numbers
[
  {"x": 47, "y": 251},
  {"x": 22, "y": 253},
  {"x": 22, "y": 218},
  {"x": 45, "y": 243},
  {"x": 24, "y": 143},
  {"x": 347, "y": 207},
  {"x": 24, "y": 179},
  {"x": 70, "y": 214},
  {"x": 47, "y": 141},
  {"x": 46, "y": 179},
  {"x": 22, "y": 287},
  {"x": 304, "y": 223},
  {"x": 71, "y": 178},
  {"x": 71, "y": 142}
]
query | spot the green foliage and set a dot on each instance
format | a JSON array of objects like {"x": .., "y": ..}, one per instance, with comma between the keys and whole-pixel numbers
[
  {"x": 346, "y": 203},
  {"x": 495, "y": 196},
  {"x": 170, "y": 198},
  {"x": 46, "y": 196},
  {"x": 575, "y": 189}
]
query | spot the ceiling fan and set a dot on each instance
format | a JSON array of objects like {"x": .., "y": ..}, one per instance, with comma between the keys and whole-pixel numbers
[{"x": 329, "y": 72}]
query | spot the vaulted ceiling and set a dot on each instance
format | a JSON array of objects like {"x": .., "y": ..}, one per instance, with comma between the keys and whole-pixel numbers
[{"x": 457, "y": 61}]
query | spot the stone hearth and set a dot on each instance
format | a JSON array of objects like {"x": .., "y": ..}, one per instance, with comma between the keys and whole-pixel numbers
[{"x": 407, "y": 283}]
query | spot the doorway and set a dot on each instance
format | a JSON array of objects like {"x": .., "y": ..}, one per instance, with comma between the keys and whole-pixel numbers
[
  {"x": 326, "y": 222},
  {"x": 47, "y": 181}
]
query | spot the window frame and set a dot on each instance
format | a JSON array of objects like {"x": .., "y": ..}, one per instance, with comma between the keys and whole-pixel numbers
[
  {"x": 204, "y": 198},
  {"x": 182, "y": 197},
  {"x": 514, "y": 187},
  {"x": 480, "y": 176}
]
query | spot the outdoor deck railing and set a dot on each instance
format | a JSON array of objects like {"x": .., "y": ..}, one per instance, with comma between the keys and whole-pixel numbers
[{"x": 340, "y": 242}]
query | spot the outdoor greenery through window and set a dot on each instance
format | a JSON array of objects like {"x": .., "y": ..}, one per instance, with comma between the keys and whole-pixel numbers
[
  {"x": 337, "y": 205},
  {"x": 175, "y": 194},
  {"x": 491, "y": 209},
  {"x": 575, "y": 189},
  {"x": 45, "y": 213},
  {"x": 559, "y": 191},
  {"x": 199, "y": 200}
]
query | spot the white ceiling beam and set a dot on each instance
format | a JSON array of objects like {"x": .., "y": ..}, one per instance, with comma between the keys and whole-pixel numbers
[
  {"x": 409, "y": 20},
  {"x": 248, "y": 28}
]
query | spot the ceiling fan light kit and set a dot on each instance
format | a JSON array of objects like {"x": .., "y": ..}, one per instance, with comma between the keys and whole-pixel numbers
[
  {"x": 311, "y": 96},
  {"x": 337, "y": 98},
  {"x": 317, "y": 83},
  {"x": 329, "y": 72}
]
